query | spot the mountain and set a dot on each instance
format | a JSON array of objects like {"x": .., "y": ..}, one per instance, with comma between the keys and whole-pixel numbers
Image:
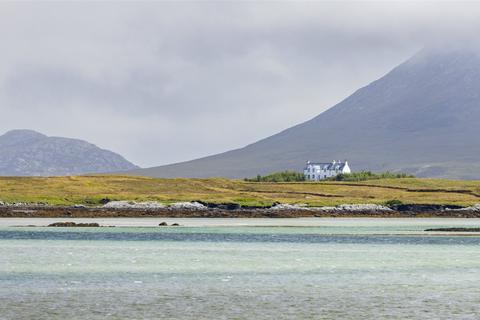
[
  {"x": 29, "y": 153},
  {"x": 422, "y": 118}
]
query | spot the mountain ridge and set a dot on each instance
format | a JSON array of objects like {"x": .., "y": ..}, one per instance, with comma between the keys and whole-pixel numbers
[
  {"x": 419, "y": 118},
  {"x": 30, "y": 153}
]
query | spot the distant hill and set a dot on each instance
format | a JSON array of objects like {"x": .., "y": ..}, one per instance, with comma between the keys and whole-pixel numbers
[
  {"x": 421, "y": 118},
  {"x": 29, "y": 153}
]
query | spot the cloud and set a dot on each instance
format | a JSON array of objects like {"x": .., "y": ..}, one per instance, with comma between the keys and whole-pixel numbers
[{"x": 172, "y": 81}]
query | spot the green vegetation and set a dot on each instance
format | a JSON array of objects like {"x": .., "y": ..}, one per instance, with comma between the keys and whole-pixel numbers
[
  {"x": 394, "y": 202},
  {"x": 284, "y": 176},
  {"x": 94, "y": 190},
  {"x": 368, "y": 175}
]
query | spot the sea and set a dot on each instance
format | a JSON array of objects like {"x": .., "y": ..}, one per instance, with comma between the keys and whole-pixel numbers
[{"x": 312, "y": 268}]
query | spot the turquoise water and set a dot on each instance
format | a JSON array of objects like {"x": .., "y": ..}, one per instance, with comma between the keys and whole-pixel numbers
[{"x": 240, "y": 269}]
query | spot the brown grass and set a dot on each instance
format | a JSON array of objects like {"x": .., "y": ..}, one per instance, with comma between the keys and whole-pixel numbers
[{"x": 91, "y": 190}]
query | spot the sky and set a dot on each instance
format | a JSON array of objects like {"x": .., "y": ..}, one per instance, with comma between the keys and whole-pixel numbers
[{"x": 163, "y": 82}]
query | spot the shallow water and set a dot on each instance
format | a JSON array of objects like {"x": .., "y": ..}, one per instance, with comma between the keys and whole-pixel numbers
[{"x": 241, "y": 269}]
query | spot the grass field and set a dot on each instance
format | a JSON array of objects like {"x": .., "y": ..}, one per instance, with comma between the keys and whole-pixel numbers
[{"x": 90, "y": 190}]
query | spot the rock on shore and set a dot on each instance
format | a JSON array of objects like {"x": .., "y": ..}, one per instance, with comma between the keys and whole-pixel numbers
[
  {"x": 472, "y": 208},
  {"x": 356, "y": 207},
  {"x": 134, "y": 205},
  {"x": 152, "y": 205},
  {"x": 286, "y": 206},
  {"x": 69, "y": 224},
  {"x": 188, "y": 206}
]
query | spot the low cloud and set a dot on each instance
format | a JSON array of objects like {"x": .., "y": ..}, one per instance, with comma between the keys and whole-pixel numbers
[{"x": 167, "y": 82}]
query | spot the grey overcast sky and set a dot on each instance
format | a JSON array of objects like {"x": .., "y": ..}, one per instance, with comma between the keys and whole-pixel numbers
[{"x": 161, "y": 82}]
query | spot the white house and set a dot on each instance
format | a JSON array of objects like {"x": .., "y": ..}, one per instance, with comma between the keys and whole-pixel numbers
[{"x": 319, "y": 171}]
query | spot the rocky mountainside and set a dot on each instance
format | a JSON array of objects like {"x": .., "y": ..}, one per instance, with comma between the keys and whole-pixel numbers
[
  {"x": 421, "y": 118},
  {"x": 29, "y": 153}
]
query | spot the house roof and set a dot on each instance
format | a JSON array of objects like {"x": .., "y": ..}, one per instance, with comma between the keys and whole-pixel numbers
[{"x": 328, "y": 165}]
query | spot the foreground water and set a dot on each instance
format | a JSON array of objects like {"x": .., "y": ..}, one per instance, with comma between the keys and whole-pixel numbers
[{"x": 240, "y": 269}]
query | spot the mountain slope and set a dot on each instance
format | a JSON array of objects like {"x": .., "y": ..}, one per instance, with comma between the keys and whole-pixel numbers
[
  {"x": 422, "y": 117},
  {"x": 29, "y": 153}
]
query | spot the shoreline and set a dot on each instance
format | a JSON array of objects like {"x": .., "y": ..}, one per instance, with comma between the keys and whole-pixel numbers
[{"x": 100, "y": 212}]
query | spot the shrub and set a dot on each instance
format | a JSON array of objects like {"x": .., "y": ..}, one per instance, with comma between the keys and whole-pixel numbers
[
  {"x": 284, "y": 176},
  {"x": 393, "y": 203},
  {"x": 368, "y": 175}
]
